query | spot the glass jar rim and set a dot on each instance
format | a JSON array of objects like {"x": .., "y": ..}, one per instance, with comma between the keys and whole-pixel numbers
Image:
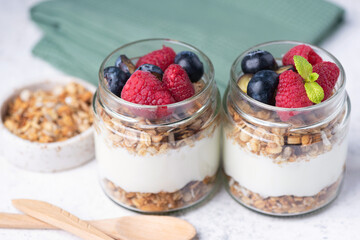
[
  {"x": 332, "y": 98},
  {"x": 208, "y": 83}
]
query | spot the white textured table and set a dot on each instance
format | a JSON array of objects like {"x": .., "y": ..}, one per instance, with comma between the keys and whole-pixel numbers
[{"x": 79, "y": 192}]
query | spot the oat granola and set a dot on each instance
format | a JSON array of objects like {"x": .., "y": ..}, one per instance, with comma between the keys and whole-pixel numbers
[
  {"x": 50, "y": 116},
  {"x": 282, "y": 144},
  {"x": 287, "y": 204},
  {"x": 163, "y": 201},
  {"x": 139, "y": 139}
]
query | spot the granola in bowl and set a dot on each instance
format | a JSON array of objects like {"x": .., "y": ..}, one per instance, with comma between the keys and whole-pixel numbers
[
  {"x": 50, "y": 116},
  {"x": 46, "y": 126}
]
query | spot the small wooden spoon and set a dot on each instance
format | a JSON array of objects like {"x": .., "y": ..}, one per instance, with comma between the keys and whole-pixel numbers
[
  {"x": 139, "y": 227},
  {"x": 60, "y": 218}
]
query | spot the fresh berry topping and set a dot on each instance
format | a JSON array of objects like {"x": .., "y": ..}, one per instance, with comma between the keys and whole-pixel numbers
[
  {"x": 291, "y": 91},
  {"x": 161, "y": 58},
  {"x": 328, "y": 75},
  {"x": 155, "y": 70},
  {"x": 125, "y": 64},
  {"x": 282, "y": 69},
  {"x": 258, "y": 60},
  {"x": 115, "y": 79},
  {"x": 262, "y": 86},
  {"x": 301, "y": 50},
  {"x": 244, "y": 81},
  {"x": 314, "y": 58},
  {"x": 144, "y": 88},
  {"x": 191, "y": 63},
  {"x": 178, "y": 82}
]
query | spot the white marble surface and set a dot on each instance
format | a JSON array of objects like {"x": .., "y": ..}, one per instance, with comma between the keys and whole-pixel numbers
[{"x": 221, "y": 218}]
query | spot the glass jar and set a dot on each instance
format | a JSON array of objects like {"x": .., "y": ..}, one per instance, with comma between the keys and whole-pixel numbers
[
  {"x": 158, "y": 158},
  {"x": 290, "y": 166}
]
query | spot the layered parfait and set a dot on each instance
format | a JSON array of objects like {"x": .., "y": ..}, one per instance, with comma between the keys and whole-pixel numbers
[
  {"x": 157, "y": 127},
  {"x": 285, "y": 128}
]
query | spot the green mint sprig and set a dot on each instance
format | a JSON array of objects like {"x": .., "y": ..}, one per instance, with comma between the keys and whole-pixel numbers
[{"x": 313, "y": 90}]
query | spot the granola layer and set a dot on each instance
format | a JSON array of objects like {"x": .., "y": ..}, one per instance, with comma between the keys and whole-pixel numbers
[
  {"x": 142, "y": 136},
  {"x": 283, "y": 144},
  {"x": 283, "y": 205},
  {"x": 162, "y": 201}
]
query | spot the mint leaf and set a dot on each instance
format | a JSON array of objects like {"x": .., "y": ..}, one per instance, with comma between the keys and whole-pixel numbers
[
  {"x": 314, "y": 92},
  {"x": 303, "y": 67},
  {"x": 313, "y": 77}
]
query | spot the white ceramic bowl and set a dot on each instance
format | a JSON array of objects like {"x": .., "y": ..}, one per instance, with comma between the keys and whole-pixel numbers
[{"x": 45, "y": 157}]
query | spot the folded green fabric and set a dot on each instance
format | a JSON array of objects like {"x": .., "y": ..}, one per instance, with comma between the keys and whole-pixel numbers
[{"x": 79, "y": 34}]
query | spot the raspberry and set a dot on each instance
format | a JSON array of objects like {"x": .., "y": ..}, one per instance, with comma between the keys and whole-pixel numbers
[
  {"x": 161, "y": 58},
  {"x": 291, "y": 93},
  {"x": 144, "y": 88},
  {"x": 304, "y": 51},
  {"x": 177, "y": 81},
  {"x": 328, "y": 75}
]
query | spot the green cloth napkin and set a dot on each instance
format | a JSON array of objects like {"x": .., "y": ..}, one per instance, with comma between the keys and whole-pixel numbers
[{"x": 79, "y": 34}]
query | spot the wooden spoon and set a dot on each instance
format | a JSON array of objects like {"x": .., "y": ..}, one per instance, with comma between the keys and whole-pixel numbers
[
  {"x": 139, "y": 227},
  {"x": 60, "y": 218}
]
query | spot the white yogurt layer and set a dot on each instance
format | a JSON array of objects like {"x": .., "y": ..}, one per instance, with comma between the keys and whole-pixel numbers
[
  {"x": 169, "y": 171},
  {"x": 261, "y": 175}
]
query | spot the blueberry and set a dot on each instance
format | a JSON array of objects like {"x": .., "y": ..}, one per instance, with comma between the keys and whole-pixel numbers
[
  {"x": 258, "y": 60},
  {"x": 155, "y": 70},
  {"x": 116, "y": 79},
  {"x": 125, "y": 64},
  {"x": 191, "y": 63},
  {"x": 262, "y": 86},
  {"x": 282, "y": 69}
]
